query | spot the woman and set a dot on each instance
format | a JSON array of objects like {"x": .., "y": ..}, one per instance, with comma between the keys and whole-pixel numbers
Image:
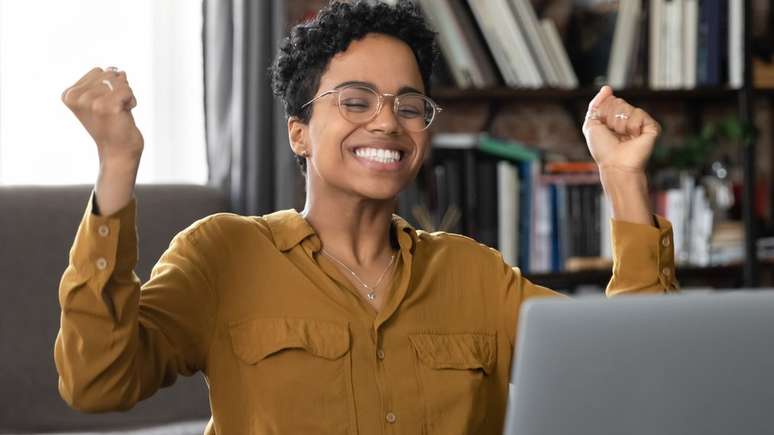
[{"x": 341, "y": 318}]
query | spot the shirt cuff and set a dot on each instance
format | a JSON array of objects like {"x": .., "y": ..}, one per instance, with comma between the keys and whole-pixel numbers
[
  {"x": 643, "y": 258},
  {"x": 105, "y": 245}
]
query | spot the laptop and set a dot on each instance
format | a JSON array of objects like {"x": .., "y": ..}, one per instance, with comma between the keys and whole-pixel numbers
[{"x": 685, "y": 364}]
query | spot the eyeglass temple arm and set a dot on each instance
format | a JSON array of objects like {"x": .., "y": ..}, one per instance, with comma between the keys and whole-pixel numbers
[{"x": 318, "y": 97}]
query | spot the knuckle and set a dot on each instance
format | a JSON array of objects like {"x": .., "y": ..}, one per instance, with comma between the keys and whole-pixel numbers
[
  {"x": 66, "y": 97},
  {"x": 83, "y": 100}
]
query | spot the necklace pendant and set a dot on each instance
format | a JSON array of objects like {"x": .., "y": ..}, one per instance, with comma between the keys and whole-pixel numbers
[{"x": 371, "y": 296}]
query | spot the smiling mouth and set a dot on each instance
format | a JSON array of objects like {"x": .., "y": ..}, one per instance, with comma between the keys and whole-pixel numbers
[{"x": 379, "y": 155}]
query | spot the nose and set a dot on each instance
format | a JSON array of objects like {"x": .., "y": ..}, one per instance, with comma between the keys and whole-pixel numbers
[{"x": 385, "y": 121}]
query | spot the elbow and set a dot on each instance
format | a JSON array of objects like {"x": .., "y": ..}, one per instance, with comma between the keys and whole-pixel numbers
[{"x": 90, "y": 400}]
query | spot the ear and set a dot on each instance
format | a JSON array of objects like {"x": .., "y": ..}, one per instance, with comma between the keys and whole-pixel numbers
[{"x": 297, "y": 135}]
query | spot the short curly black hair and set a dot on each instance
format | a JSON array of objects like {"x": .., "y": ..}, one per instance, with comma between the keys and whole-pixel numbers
[{"x": 304, "y": 55}]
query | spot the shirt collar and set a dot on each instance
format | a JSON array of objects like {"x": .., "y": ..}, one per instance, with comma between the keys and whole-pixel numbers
[{"x": 289, "y": 228}]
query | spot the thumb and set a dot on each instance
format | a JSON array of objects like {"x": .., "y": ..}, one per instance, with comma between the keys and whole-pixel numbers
[{"x": 604, "y": 92}]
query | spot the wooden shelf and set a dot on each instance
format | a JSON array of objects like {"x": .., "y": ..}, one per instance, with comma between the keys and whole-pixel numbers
[
  {"x": 729, "y": 276},
  {"x": 504, "y": 93}
]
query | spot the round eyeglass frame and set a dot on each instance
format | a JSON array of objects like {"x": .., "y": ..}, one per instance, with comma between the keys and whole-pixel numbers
[{"x": 380, "y": 102}]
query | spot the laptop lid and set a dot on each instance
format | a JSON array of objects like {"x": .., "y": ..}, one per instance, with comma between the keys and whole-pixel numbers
[{"x": 677, "y": 364}]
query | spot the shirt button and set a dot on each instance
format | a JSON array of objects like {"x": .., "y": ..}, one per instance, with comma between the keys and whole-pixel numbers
[
  {"x": 101, "y": 263},
  {"x": 103, "y": 230},
  {"x": 391, "y": 417},
  {"x": 666, "y": 271},
  {"x": 380, "y": 354},
  {"x": 665, "y": 241}
]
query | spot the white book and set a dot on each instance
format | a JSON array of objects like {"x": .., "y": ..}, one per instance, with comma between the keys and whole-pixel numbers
[
  {"x": 700, "y": 228},
  {"x": 656, "y": 38},
  {"x": 456, "y": 140},
  {"x": 690, "y": 42},
  {"x": 453, "y": 45},
  {"x": 559, "y": 53},
  {"x": 623, "y": 48},
  {"x": 515, "y": 44},
  {"x": 605, "y": 215},
  {"x": 528, "y": 19},
  {"x": 673, "y": 12},
  {"x": 676, "y": 214},
  {"x": 508, "y": 211},
  {"x": 484, "y": 17},
  {"x": 736, "y": 43},
  {"x": 540, "y": 260}
]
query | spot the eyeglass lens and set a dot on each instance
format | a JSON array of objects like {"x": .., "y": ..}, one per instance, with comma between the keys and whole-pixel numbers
[{"x": 359, "y": 104}]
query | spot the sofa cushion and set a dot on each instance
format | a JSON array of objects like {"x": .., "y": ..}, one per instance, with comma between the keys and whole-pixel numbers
[{"x": 37, "y": 228}]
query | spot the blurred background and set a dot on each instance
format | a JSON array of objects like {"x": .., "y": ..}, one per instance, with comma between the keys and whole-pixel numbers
[{"x": 509, "y": 166}]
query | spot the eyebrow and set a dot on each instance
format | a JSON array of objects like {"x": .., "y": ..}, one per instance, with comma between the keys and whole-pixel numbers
[{"x": 402, "y": 90}]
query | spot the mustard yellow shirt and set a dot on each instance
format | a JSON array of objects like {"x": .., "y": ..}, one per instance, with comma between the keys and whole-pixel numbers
[{"x": 287, "y": 345}]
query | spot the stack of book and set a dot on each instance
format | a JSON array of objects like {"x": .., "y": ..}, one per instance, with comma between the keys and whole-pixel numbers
[
  {"x": 696, "y": 43},
  {"x": 480, "y": 38},
  {"x": 666, "y": 44},
  {"x": 542, "y": 216}
]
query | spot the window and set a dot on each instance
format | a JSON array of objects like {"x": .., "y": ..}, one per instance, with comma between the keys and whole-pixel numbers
[{"x": 47, "y": 45}]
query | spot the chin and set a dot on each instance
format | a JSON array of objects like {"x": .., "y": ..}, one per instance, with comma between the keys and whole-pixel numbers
[{"x": 379, "y": 192}]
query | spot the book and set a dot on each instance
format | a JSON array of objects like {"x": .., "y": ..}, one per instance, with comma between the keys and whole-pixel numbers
[
  {"x": 484, "y": 15},
  {"x": 708, "y": 44},
  {"x": 558, "y": 54},
  {"x": 656, "y": 45},
  {"x": 511, "y": 150},
  {"x": 735, "y": 43},
  {"x": 690, "y": 41},
  {"x": 508, "y": 211},
  {"x": 530, "y": 25},
  {"x": 459, "y": 43},
  {"x": 623, "y": 51}
]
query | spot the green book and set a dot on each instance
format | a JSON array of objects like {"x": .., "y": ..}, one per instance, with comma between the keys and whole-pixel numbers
[{"x": 510, "y": 150}]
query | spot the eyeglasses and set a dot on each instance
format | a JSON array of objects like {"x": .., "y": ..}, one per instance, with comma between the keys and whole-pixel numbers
[{"x": 359, "y": 104}]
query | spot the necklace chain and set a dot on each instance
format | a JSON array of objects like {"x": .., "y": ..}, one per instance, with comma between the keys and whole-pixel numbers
[{"x": 371, "y": 290}]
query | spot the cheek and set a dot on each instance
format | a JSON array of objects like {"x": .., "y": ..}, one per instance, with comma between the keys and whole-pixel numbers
[
  {"x": 327, "y": 138},
  {"x": 422, "y": 144}
]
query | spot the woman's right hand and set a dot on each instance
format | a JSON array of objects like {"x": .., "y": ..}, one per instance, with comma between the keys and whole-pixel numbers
[{"x": 106, "y": 115}]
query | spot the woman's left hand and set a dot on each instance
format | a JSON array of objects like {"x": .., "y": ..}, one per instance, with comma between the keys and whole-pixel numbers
[{"x": 619, "y": 135}]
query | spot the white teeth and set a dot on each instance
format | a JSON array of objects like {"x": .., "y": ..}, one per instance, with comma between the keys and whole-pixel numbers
[{"x": 378, "y": 154}]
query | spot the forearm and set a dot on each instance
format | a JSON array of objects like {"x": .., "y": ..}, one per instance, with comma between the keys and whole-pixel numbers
[
  {"x": 115, "y": 185},
  {"x": 627, "y": 191}
]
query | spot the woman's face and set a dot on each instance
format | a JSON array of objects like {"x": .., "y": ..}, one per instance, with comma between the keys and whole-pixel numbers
[{"x": 386, "y": 65}]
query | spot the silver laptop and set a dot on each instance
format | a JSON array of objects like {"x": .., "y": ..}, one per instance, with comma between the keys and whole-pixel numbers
[{"x": 677, "y": 364}]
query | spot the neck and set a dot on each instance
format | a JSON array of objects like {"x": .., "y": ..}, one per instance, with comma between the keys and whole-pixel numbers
[{"x": 354, "y": 230}]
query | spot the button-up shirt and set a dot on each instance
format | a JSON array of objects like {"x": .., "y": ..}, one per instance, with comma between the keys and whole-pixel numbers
[{"x": 288, "y": 345}]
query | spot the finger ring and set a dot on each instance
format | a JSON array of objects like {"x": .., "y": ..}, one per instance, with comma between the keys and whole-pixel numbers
[
  {"x": 593, "y": 114},
  {"x": 621, "y": 116},
  {"x": 109, "y": 85}
]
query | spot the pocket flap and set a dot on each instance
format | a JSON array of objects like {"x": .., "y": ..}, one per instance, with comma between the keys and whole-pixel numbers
[
  {"x": 456, "y": 351},
  {"x": 255, "y": 339}
]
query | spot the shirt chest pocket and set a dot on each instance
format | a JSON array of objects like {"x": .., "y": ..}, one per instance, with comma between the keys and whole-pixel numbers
[
  {"x": 296, "y": 374},
  {"x": 453, "y": 373}
]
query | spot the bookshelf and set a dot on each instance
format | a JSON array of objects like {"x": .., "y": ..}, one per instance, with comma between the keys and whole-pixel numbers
[
  {"x": 450, "y": 94},
  {"x": 752, "y": 272},
  {"x": 746, "y": 274},
  {"x": 727, "y": 276}
]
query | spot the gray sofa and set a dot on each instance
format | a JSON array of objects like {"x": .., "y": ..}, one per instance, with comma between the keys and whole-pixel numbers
[{"x": 37, "y": 228}]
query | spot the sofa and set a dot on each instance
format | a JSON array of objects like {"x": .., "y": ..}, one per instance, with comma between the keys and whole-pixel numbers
[{"x": 37, "y": 228}]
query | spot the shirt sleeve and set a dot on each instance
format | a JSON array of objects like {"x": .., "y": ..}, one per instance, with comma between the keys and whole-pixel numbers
[
  {"x": 643, "y": 258},
  {"x": 120, "y": 341},
  {"x": 643, "y": 262}
]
